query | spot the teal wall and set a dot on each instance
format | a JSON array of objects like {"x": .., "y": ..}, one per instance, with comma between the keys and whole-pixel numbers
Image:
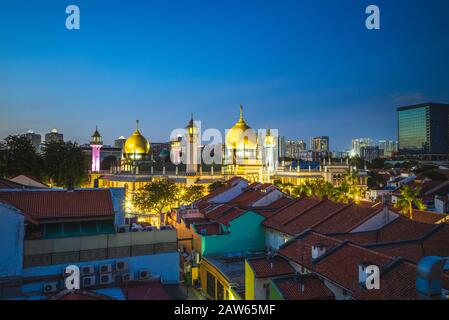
[
  {"x": 274, "y": 293},
  {"x": 246, "y": 234}
]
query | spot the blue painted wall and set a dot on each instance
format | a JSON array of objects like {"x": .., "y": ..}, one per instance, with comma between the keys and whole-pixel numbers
[
  {"x": 164, "y": 264},
  {"x": 11, "y": 241}
]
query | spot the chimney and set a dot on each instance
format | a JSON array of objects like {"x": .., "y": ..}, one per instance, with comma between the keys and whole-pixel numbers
[{"x": 318, "y": 250}]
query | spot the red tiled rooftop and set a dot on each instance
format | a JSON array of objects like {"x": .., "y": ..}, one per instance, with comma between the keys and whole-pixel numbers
[
  {"x": 399, "y": 229},
  {"x": 300, "y": 249},
  {"x": 292, "y": 210},
  {"x": 227, "y": 185},
  {"x": 422, "y": 216},
  {"x": 341, "y": 265},
  {"x": 247, "y": 198},
  {"x": 347, "y": 219},
  {"x": 398, "y": 283},
  {"x": 146, "y": 291},
  {"x": 265, "y": 267},
  {"x": 61, "y": 204},
  {"x": 303, "y": 288}
]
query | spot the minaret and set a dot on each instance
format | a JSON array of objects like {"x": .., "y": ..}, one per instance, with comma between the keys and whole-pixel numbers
[
  {"x": 96, "y": 143},
  {"x": 192, "y": 147},
  {"x": 269, "y": 144}
]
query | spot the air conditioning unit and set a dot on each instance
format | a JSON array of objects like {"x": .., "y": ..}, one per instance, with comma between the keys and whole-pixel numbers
[
  {"x": 50, "y": 287},
  {"x": 88, "y": 281},
  {"x": 127, "y": 277},
  {"x": 121, "y": 266},
  {"x": 105, "y": 268},
  {"x": 106, "y": 279},
  {"x": 87, "y": 270},
  {"x": 144, "y": 274}
]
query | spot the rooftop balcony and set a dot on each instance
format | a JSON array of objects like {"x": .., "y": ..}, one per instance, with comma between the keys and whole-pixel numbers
[{"x": 99, "y": 247}]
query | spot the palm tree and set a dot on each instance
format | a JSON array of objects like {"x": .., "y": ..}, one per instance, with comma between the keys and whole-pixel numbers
[
  {"x": 409, "y": 197},
  {"x": 348, "y": 190}
]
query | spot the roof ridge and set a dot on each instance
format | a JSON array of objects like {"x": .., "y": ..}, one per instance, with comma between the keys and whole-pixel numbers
[
  {"x": 331, "y": 251},
  {"x": 333, "y": 213},
  {"x": 375, "y": 212},
  {"x": 288, "y": 221}
]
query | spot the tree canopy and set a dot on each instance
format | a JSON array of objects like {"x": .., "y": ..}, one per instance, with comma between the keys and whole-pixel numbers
[
  {"x": 18, "y": 156},
  {"x": 65, "y": 164}
]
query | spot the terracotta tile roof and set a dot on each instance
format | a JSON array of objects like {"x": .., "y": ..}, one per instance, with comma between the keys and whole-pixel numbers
[
  {"x": 248, "y": 197},
  {"x": 423, "y": 216},
  {"x": 341, "y": 264},
  {"x": 397, "y": 283},
  {"x": 303, "y": 214},
  {"x": 303, "y": 288},
  {"x": 271, "y": 209},
  {"x": 229, "y": 184},
  {"x": 41, "y": 205},
  {"x": 265, "y": 267},
  {"x": 347, "y": 219},
  {"x": 291, "y": 210},
  {"x": 433, "y": 243},
  {"x": 299, "y": 250},
  {"x": 399, "y": 229},
  {"x": 153, "y": 290}
]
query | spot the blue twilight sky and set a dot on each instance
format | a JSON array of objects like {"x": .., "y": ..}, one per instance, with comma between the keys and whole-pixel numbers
[{"x": 305, "y": 67}]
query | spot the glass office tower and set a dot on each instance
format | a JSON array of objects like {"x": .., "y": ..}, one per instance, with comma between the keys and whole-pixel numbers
[{"x": 423, "y": 129}]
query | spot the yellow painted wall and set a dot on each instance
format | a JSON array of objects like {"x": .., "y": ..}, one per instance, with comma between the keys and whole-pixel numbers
[
  {"x": 207, "y": 267},
  {"x": 249, "y": 282}
]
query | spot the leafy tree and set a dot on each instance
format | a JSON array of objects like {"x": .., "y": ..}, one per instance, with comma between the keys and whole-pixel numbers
[
  {"x": 357, "y": 162},
  {"x": 188, "y": 195},
  {"x": 377, "y": 163},
  {"x": 18, "y": 156},
  {"x": 107, "y": 162},
  {"x": 214, "y": 186},
  {"x": 434, "y": 175},
  {"x": 65, "y": 164},
  {"x": 349, "y": 189},
  {"x": 409, "y": 197},
  {"x": 156, "y": 197}
]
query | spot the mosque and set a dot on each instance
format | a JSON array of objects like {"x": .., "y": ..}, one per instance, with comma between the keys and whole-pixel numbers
[{"x": 248, "y": 153}]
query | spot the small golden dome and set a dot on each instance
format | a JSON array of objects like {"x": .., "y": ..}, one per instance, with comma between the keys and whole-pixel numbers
[
  {"x": 239, "y": 138},
  {"x": 137, "y": 144}
]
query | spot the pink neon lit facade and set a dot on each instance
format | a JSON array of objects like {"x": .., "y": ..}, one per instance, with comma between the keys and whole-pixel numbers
[{"x": 96, "y": 157}]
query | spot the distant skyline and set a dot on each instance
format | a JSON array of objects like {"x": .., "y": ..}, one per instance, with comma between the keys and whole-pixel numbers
[{"x": 307, "y": 68}]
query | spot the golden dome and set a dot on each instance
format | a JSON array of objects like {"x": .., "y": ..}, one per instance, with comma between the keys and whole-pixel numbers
[
  {"x": 137, "y": 144},
  {"x": 238, "y": 137}
]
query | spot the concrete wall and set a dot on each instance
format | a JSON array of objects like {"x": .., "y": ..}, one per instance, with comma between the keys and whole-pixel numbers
[
  {"x": 11, "y": 241},
  {"x": 377, "y": 222},
  {"x": 269, "y": 198},
  {"x": 274, "y": 239}
]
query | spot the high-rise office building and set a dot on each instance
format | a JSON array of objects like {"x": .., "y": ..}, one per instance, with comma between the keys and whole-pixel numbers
[
  {"x": 120, "y": 142},
  {"x": 369, "y": 153},
  {"x": 294, "y": 148},
  {"x": 281, "y": 147},
  {"x": 320, "y": 144},
  {"x": 35, "y": 139},
  {"x": 54, "y": 136},
  {"x": 388, "y": 148},
  {"x": 358, "y": 144},
  {"x": 423, "y": 129}
]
